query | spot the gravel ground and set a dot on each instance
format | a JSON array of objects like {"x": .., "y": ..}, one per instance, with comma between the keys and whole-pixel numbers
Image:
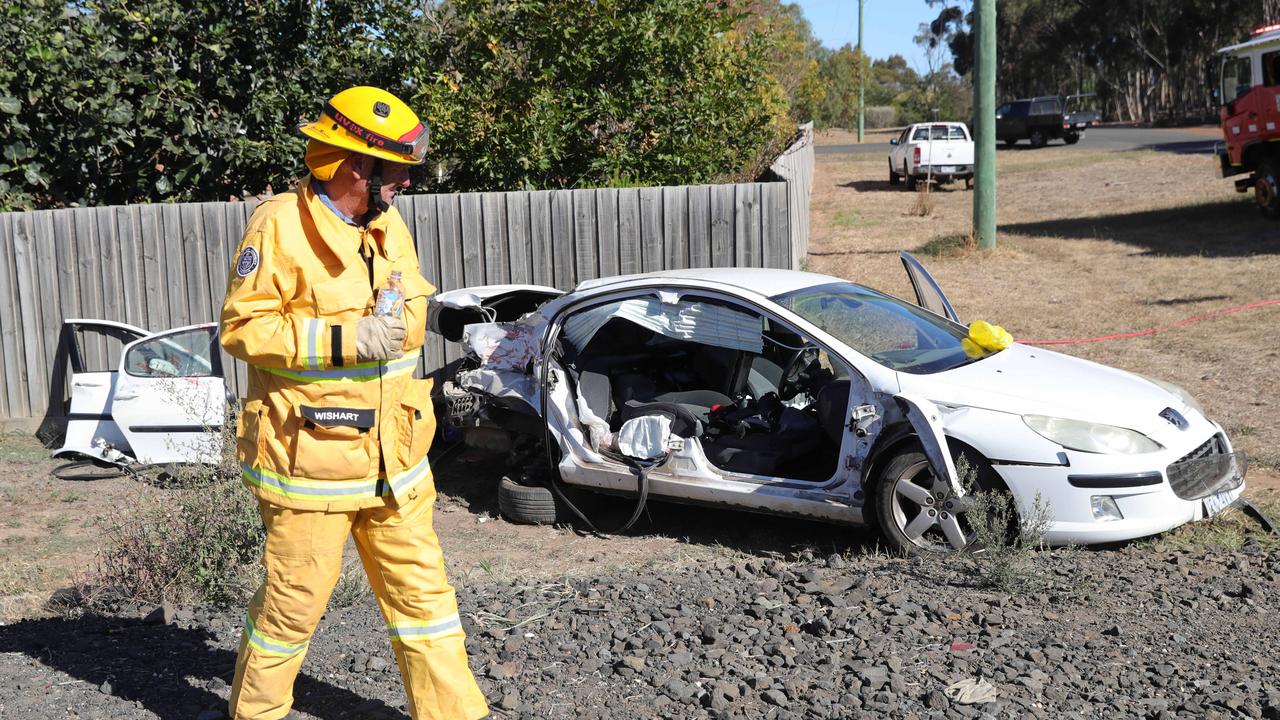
[{"x": 1133, "y": 632}]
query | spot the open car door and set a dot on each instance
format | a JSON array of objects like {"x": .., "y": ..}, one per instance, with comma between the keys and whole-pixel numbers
[
  {"x": 170, "y": 397},
  {"x": 86, "y": 365},
  {"x": 928, "y": 295}
]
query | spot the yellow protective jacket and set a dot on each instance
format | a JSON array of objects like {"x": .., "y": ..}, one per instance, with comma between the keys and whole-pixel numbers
[{"x": 320, "y": 431}]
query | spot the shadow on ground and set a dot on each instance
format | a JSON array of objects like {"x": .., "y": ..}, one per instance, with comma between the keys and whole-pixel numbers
[
  {"x": 1190, "y": 147},
  {"x": 168, "y": 670},
  {"x": 884, "y": 186},
  {"x": 1229, "y": 228}
]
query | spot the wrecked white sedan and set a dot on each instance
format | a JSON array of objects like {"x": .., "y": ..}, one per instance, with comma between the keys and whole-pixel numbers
[{"x": 801, "y": 394}]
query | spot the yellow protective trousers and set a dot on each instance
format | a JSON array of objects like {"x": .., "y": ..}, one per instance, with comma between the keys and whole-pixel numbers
[{"x": 402, "y": 558}]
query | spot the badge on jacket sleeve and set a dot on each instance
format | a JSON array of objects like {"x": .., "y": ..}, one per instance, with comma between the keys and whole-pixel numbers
[{"x": 248, "y": 261}]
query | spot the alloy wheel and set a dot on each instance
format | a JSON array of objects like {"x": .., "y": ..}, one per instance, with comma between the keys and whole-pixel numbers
[{"x": 927, "y": 511}]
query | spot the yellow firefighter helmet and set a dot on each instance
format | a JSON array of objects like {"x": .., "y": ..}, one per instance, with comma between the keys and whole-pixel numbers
[{"x": 372, "y": 122}]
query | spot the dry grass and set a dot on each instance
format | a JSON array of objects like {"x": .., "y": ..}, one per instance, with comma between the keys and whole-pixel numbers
[
  {"x": 1090, "y": 243},
  {"x": 47, "y": 530}
]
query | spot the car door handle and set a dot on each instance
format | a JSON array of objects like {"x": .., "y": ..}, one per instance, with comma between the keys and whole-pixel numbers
[
  {"x": 86, "y": 384},
  {"x": 126, "y": 396}
]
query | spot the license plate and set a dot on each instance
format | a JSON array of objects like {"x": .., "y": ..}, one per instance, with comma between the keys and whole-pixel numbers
[
  {"x": 948, "y": 168},
  {"x": 1215, "y": 504},
  {"x": 1080, "y": 125}
]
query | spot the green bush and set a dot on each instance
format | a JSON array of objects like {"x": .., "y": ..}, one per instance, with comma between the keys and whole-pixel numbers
[
  {"x": 109, "y": 102},
  {"x": 560, "y": 93}
]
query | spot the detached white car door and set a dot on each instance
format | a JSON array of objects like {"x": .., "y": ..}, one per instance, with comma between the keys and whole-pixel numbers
[
  {"x": 170, "y": 397},
  {"x": 88, "y": 354}
]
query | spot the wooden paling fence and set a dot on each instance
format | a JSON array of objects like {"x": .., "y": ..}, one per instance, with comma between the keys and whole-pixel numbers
[
  {"x": 795, "y": 166},
  {"x": 164, "y": 266}
]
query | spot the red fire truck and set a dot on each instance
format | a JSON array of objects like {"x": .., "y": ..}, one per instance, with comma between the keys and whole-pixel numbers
[{"x": 1250, "y": 112}]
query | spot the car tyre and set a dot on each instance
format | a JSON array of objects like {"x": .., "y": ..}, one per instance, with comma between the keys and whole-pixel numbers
[
  {"x": 1071, "y": 138},
  {"x": 911, "y": 179},
  {"x": 526, "y": 504},
  {"x": 1038, "y": 139},
  {"x": 1010, "y": 141},
  {"x": 895, "y": 517},
  {"x": 1266, "y": 188},
  {"x": 894, "y": 177}
]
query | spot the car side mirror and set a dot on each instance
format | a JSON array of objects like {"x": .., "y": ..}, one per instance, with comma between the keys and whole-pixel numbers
[{"x": 893, "y": 141}]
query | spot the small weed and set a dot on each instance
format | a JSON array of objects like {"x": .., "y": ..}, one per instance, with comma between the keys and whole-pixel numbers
[
  {"x": 1265, "y": 461},
  {"x": 352, "y": 588},
  {"x": 22, "y": 448},
  {"x": 924, "y": 204},
  {"x": 68, "y": 496},
  {"x": 57, "y": 523},
  {"x": 954, "y": 245},
  {"x": 1240, "y": 431},
  {"x": 852, "y": 218},
  {"x": 18, "y": 577},
  {"x": 12, "y": 496},
  {"x": 1007, "y": 540}
]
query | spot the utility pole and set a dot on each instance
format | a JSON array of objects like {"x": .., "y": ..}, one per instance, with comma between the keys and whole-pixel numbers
[
  {"x": 862, "y": 76},
  {"x": 984, "y": 135}
]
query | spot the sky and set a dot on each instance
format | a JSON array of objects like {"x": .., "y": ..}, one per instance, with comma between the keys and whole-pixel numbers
[{"x": 890, "y": 25}]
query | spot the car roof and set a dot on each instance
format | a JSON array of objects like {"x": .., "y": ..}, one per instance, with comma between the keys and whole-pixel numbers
[{"x": 769, "y": 282}]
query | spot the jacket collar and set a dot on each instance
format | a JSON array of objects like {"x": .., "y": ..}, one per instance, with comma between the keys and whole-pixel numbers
[{"x": 345, "y": 241}]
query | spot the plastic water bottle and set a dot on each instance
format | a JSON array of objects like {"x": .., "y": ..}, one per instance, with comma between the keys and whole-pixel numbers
[{"x": 390, "y": 296}]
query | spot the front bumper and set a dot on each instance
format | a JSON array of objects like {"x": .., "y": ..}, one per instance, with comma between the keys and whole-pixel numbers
[{"x": 1139, "y": 485}]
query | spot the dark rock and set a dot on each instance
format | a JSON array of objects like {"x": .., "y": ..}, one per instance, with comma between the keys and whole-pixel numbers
[
  {"x": 163, "y": 614},
  {"x": 775, "y": 697},
  {"x": 510, "y": 701}
]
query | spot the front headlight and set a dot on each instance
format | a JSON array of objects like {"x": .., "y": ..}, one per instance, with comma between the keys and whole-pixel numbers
[
  {"x": 1091, "y": 437},
  {"x": 1181, "y": 393}
]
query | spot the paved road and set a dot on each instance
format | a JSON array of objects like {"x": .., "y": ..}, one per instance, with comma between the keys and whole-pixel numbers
[{"x": 1167, "y": 140}]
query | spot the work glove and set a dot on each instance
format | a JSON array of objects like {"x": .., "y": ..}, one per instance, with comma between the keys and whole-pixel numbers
[{"x": 379, "y": 337}]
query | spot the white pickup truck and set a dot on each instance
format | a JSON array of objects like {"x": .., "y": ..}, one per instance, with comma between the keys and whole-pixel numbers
[{"x": 941, "y": 151}]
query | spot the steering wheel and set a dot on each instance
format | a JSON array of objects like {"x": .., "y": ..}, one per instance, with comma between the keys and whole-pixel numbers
[{"x": 789, "y": 385}]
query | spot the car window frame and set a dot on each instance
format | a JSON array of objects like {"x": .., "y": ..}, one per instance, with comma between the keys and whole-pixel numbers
[
  {"x": 214, "y": 357},
  {"x": 851, "y": 359}
]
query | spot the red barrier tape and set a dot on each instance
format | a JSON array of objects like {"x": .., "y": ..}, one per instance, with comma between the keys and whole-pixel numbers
[{"x": 1153, "y": 331}]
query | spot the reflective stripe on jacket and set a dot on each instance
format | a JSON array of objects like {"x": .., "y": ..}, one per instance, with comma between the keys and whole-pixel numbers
[{"x": 319, "y": 430}]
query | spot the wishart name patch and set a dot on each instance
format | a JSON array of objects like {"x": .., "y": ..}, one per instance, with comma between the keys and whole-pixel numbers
[{"x": 248, "y": 261}]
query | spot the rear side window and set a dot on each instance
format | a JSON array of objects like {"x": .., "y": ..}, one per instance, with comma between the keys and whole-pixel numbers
[
  {"x": 1019, "y": 109},
  {"x": 921, "y": 133},
  {"x": 956, "y": 132}
]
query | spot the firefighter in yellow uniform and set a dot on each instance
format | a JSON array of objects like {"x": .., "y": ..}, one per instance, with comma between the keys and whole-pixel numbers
[{"x": 334, "y": 434}]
